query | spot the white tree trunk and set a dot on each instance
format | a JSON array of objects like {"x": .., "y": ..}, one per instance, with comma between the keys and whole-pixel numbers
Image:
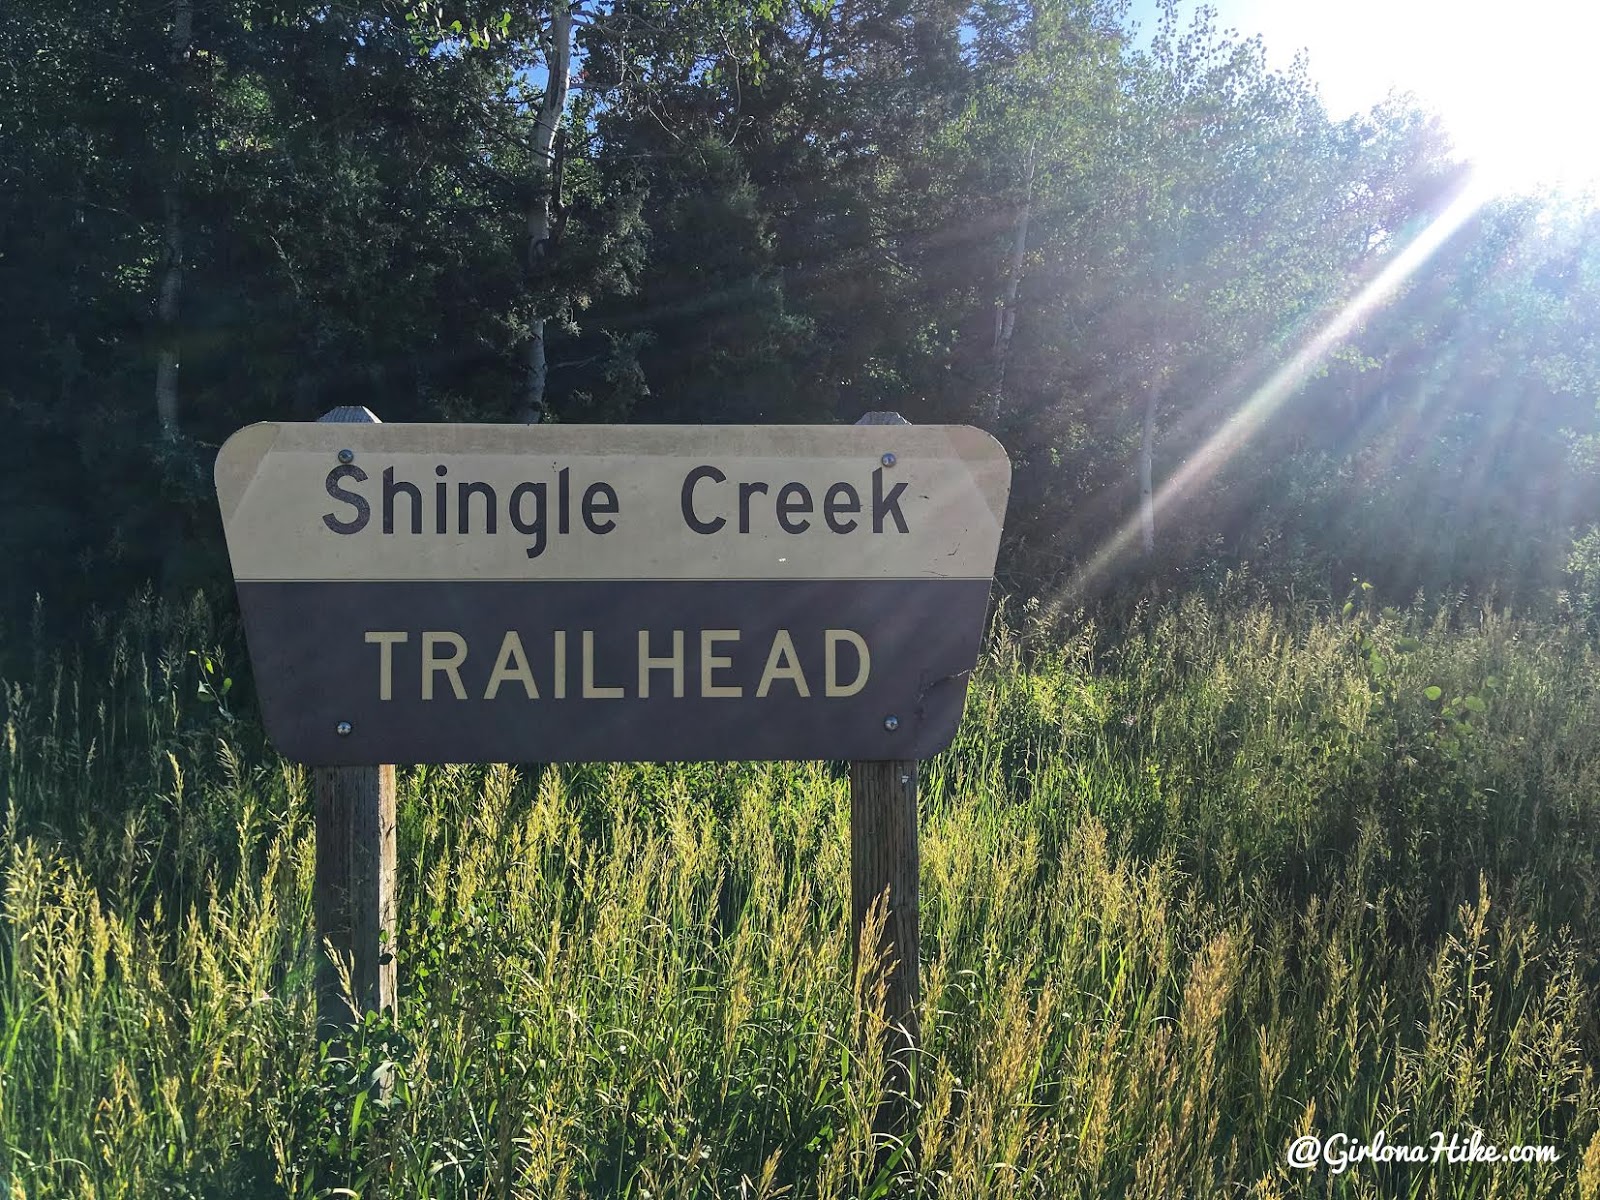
[
  {"x": 172, "y": 231},
  {"x": 1147, "y": 445},
  {"x": 551, "y": 108},
  {"x": 534, "y": 372},
  {"x": 1005, "y": 314}
]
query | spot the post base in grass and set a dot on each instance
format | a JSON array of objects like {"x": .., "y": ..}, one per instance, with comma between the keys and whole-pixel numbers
[{"x": 885, "y": 864}]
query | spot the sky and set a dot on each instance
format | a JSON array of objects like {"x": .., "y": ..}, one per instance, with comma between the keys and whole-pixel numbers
[{"x": 1516, "y": 84}]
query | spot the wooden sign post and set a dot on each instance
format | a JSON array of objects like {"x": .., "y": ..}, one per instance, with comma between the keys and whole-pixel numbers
[
  {"x": 353, "y": 897},
  {"x": 886, "y": 863}
]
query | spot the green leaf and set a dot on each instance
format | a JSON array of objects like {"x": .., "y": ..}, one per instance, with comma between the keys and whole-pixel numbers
[
  {"x": 1433, "y": 692},
  {"x": 355, "y": 1113},
  {"x": 1475, "y": 704}
]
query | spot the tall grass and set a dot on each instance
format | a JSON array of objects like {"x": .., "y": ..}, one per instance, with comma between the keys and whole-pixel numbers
[{"x": 1232, "y": 876}]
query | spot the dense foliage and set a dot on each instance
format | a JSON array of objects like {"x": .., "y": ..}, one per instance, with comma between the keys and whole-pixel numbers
[{"x": 220, "y": 211}]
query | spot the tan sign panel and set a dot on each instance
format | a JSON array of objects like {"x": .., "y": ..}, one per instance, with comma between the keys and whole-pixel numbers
[
  {"x": 482, "y": 502},
  {"x": 472, "y": 593}
]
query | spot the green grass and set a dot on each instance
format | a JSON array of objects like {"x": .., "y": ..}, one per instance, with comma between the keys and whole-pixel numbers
[{"x": 1230, "y": 876}]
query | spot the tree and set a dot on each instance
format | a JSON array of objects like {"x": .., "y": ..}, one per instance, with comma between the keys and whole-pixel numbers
[{"x": 545, "y": 180}]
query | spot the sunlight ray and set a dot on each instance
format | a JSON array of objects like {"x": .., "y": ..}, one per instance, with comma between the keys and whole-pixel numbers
[{"x": 1283, "y": 382}]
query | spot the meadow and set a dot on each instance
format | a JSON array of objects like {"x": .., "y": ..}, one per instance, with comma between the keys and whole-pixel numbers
[{"x": 1233, "y": 873}]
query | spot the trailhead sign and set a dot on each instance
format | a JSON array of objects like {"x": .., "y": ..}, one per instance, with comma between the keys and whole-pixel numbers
[{"x": 570, "y": 593}]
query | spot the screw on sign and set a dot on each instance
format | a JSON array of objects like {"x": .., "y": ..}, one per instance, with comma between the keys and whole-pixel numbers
[{"x": 551, "y": 593}]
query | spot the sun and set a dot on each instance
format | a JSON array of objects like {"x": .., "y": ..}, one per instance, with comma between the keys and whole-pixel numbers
[
  {"x": 1517, "y": 87},
  {"x": 1521, "y": 99}
]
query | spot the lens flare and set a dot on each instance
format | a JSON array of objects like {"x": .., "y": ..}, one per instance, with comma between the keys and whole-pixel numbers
[{"x": 1282, "y": 383}]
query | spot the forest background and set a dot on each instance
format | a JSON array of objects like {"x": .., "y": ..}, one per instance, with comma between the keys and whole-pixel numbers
[{"x": 1215, "y": 329}]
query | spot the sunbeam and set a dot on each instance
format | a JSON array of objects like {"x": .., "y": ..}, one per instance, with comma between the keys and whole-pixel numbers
[{"x": 1283, "y": 382}]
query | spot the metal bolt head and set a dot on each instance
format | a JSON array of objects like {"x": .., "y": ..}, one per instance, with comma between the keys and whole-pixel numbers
[
  {"x": 343, "y": 728},
  {"x": 891, "y": 723},
  {"x": 347, "y": 456},
  {"x": 888, "y": 459}
]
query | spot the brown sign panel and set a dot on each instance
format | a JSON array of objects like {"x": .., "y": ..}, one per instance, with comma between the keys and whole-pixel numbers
[{"x": 459, "y": 593}]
